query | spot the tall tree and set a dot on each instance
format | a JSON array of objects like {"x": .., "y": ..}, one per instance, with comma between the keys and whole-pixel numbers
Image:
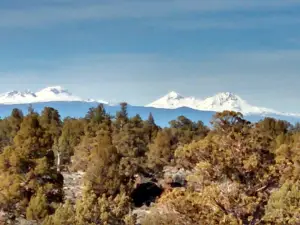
[
  {"x": 161, "y": 151},
  {"x": 31, "y": 165}
]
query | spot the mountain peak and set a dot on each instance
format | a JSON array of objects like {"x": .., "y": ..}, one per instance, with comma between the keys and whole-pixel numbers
[
  {"x": 17, "y": 96},
  {"x": 56, "y": 93},
  {"x": 226, "y": 94},
  {"x": 225, "y": 101},
  {"x": 219, "y": 102},
  {"x": 174, "y": 100},
  {"x": 55, "y": 90},
  {"x": 174, "y": 95}
]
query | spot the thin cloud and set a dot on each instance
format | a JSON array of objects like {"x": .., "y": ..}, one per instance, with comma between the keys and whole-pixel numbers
[
  {"x": 294, "y": 40},
  {"x": 43, "y": 14},
  {"x": 230, "y": 22}
]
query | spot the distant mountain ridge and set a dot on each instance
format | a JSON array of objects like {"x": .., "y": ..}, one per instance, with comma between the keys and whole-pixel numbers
[
  {"x": 173, "y": 100},
  {"x": 49, "y": 94},
  {"x": 219, "y": 102},
  {"x": 161, "y": 116}
]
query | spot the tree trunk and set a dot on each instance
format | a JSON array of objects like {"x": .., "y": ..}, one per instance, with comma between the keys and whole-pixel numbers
[{"x": 58, "y": 161}]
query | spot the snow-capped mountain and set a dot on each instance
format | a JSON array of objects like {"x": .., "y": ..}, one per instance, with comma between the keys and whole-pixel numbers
[
  {"x": 219, "y": 102},
  {"x": 13, "y": 97},
  {"x": 96, "y": 101},
  {"x": 174, "y": 100},
  {"x": 177, "y": 105},
  {"x": 57, "y": 93},
  {"x": 49, "y": 94},
  {"x": 229, "y": 101}
]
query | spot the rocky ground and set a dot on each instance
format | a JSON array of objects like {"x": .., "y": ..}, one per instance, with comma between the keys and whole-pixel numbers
[{"x": 73, "y": 183}]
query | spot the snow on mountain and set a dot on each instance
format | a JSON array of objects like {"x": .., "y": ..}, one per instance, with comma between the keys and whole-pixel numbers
[
  {"x": 49, "y": 94},
  {"x": 57, "y": 93},
  {"x": 229, "y": 101},
  {"x": 174, "y": 100},
  {"x": 219, "y": 102},
  {"x": 96, "y": 101},
  {"x": 14, "y": 97}
]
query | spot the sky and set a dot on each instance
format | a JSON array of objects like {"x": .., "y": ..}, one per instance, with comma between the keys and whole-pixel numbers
[{"x": 138, "y": 50}]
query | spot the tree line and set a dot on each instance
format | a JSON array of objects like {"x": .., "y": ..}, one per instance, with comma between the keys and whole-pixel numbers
[{"x": 240, "y": 172}]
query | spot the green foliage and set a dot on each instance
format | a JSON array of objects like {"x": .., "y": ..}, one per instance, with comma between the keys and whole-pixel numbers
[
  {"x": 284, "y": 205},
  {"x": 50, "y": 122},
  {"x": 121, "y": 116},
  {"x": 131, "y": 140},
  {"x": 91, "y": 210},
  {"x": 288, "y": 158},
  {"x": 186, "y": 207},
  {"x": 273, "y": 126},
  {"x": 234, "y": 167},
  {"x": 9, "y": 128},
  {"x": 71, "y": 134},
  {"x": 238, "y": 173},
  {"x": 103, "y": 170},
  {"x": 38, "y": 207},
  {"x": 161, "y": 151},
  {"x": 101, "y": 210},
  {"x": 186, "y": 130},
  {"x": 97, "y": 123},
  {"x": 228, "y": 121},
  {"x": 15, "y": 121},
  {"x": 64, "y": 215},
  {"x": 150, "y": 128},
  {"x": 29, "y": 162}
]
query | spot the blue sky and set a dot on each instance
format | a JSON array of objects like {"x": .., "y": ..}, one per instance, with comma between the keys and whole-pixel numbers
[{"x": 137, "y": 50}]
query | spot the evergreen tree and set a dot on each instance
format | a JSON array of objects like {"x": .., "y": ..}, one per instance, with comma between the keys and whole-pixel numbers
[
  {"x": 15, "y": 121},
  {"x": 29, "y": 162},
  {"x": 72, "y": 132},
  {"x": 284, "y": 205},
  {"x": 151, "y": 128},
  {"x": 161, "y": 151},
  {"x": 235, "y": 173},
  {"x": 50, "y": 121},
  {"x": 38, "y": 207},
  {"x": 103, "y": 169},
  {"x": 64, "y": 215},
  {"x": 185, "y": 130},
  {"x": 97, "y": 123},
  {"x": 131, "y": 143},
  {"x": 121, "y": 116}
]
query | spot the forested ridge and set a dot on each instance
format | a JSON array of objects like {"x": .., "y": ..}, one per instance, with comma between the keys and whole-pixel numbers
[{"x": 234, "y": 172}]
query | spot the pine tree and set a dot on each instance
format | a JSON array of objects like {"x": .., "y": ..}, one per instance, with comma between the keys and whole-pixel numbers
[
  {"x": 15, "y": 121},
  {"x": 284, "y": 205},
  {"x": 131, "y": 143},
  {"x": 97, "y": 123},
  {"x": 121, "y": 116},
  {"x": 64, "y": 215},
  {"x": 151, "y": 128},
  {"x": 96, "y": 115},
  {"x": 103, "y": 169},
  {"x": 50, "y": 121},
  {"x": 30, "y": 161},
  {"x": 161, "y": 151},
  {"x": 38, "y": 207},
  {"x": 72, "y": 132}
]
